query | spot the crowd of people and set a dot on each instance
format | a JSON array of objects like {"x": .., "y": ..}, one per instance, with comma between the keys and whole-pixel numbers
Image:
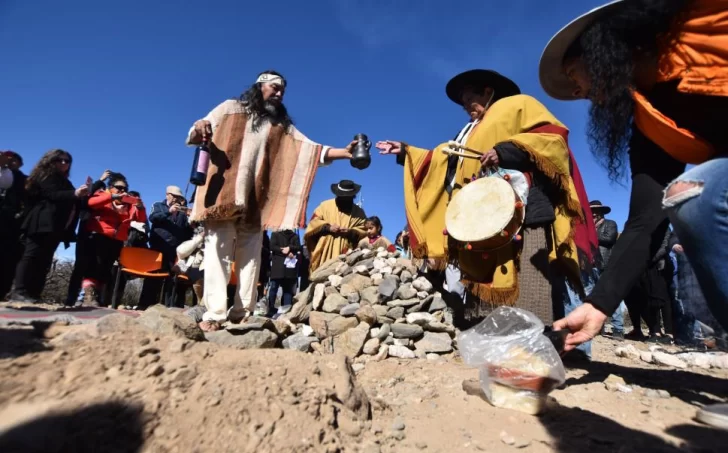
[{"x": 655, "y": 73}]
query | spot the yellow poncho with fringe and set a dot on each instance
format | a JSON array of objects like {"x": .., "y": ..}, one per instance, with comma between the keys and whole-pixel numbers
[
  {"x": 513, "y": 119},
  {"x": 328, "y": 246}
]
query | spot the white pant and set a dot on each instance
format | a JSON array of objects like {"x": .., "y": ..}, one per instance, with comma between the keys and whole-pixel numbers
[{"x": 228, "y": 242}]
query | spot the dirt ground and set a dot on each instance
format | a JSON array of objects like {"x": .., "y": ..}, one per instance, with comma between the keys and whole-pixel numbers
[{"x": 130, "y": 391}]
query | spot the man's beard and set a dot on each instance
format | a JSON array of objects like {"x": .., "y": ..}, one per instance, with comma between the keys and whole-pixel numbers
[{"x": 274, "y": 111}]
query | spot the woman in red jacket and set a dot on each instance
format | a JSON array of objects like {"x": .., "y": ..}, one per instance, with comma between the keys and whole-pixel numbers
[{"x": 111, "y": 212}]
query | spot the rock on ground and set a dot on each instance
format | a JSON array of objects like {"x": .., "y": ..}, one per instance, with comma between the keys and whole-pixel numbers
[{"x": 163, "y": 321}]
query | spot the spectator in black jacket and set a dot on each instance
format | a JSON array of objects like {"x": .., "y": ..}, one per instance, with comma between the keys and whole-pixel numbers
[
  {"x": 53, "y": 207},
  {"x": 12, "y": 192},
  {"x": 82, "y": 244},
  {"x": 607, "y": 233},
  {"x": 264, "y": 271},
  {"x": 170, "y": 228},
  {"x": 285, "y": 247},
  {"x": 303, "y": 264},
  {"x": 606, "y": 230}
]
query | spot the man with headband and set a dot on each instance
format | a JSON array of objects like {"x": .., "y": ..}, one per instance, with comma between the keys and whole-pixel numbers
[
  {"x": 260, "y": 175},
  {"x": 515, "y": 132}
]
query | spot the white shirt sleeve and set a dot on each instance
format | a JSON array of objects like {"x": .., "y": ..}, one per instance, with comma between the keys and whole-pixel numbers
[
  {"x": 216, "y": 116},
  {"x": 6, "y": 178}
]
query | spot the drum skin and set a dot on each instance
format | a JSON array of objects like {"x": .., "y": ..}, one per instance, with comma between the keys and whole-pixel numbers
[{"x": 484, "y": 215}]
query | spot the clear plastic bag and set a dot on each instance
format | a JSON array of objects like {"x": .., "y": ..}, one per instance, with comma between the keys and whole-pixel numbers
[{"x": 518, "y": 365}]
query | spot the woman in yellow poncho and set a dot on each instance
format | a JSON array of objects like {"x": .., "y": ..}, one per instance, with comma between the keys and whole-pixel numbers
[{"x": 517, "y": 132}]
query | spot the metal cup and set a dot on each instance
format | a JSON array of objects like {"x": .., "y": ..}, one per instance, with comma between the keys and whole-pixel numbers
[{"x": 360, "y": 156}]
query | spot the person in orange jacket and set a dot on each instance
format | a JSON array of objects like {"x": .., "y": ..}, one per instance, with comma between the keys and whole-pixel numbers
[{"x": 111, "y": 213}]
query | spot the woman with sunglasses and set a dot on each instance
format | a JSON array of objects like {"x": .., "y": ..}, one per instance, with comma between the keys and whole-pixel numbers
[
  {"x": 51, "y": 214},
  {"x": 111, "y": 213}
]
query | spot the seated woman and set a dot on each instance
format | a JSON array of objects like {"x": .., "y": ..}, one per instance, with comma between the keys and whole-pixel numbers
[
  {"x": 374, "y": 239},
  {"x": 111, "y": 213},
  {"x": 191, "y": 259}
]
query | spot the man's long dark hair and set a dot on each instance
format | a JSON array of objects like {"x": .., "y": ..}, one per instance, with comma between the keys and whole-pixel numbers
[
  {"x": 46, "y": 168},
  {"x": 607, "y": 49},
  {"x": 253, "y": 101}
]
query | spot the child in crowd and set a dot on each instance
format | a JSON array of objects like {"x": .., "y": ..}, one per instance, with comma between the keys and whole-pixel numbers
[{"x": 374, "y": 239}]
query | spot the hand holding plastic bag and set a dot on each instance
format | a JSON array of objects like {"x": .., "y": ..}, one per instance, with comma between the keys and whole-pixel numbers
[{"x": 518, "y": 365}]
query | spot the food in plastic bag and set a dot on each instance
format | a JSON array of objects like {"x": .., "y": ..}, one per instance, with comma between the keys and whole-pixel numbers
[{"x": 518, "y": 364}]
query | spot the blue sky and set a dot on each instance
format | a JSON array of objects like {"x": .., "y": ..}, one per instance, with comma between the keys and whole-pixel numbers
[{"x": 118, "y": 83}]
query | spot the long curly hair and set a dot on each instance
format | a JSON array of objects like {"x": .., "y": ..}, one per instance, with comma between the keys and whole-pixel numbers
[
  {"x": 46, "y": 167},
  {"x": 608, "y": 47},
  {"x": 262, "y": 110}
]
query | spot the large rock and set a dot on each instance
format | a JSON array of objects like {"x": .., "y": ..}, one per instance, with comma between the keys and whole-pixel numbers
[
  {"x": 350, "y": 343},
  {"x": 380, "y": 310},
  {"x": 369, "y": 296},
  {"x": 347, "y": 290},
  {"x": 379, "y": 264},
  {"x": 440, "y": 327},
  {"x": 329, "y": 290},
  {"x": 366, "y": 314},
  {"x": 163, "y": 321},
  {"x": 318, "y": 296},
  {"x": 401, "y": 352},
  {"x": 354, "y": 257},
  {"x": 403, "y": 303},
  {"x": 420, "y": 319},
  {"x": 384, "y": 332},
  {"x": 304, "y": 295},
  {"x": 422, "y": 284},
  {"x": 349, "y": 310},
  {"x": 299, "y": 312},
  {"x": 405, "y": 276},
  {"x": 371, "y": 347},
  {"x": 437, "y": 304},
  {"x": 434, "y": 342},
  {"x": 661, "y": 358},
  {"x": 353, "y": 298},
  {"x": 252, "y": 339},
  {"x": 334, "y": 303},
  {"x": 357, "y": 281},
  {"x": 253, "y": 323},
  {"x": 339, "y": 325},
  {"x": 319, "y": 322},
  {"x": 405, "y": 291},
  {"x": 299, "y": 342},
  {"x": 395, "y": 312},
  {"x": 335, "y": 280},
  {"x": 406, "y": 331},
  {"x": 324, "y": 271},
  {"x": 388, "y": 287}
]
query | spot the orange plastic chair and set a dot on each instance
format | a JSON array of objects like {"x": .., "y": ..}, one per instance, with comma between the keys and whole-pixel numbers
[{"x": 140, "y": 262}]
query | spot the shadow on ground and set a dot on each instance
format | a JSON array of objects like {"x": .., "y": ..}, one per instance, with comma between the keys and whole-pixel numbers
[
  {"x": 111, "y": 427},
  {"x": 689, "y": 387},
  {"x": 18, "y": 342},
  {"x": 578, "y": 431}
]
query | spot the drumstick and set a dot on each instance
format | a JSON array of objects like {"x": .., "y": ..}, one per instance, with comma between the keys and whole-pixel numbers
[
  {"x": 458, "y": 153},
  {"x": 452, "y": 144}
]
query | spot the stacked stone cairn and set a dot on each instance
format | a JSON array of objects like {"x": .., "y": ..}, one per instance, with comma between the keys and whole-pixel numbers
[{"x": 364, "y": 303}]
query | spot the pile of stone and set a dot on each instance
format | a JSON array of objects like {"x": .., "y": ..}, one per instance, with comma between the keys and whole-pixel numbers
[{"x": 363, "y": 303}]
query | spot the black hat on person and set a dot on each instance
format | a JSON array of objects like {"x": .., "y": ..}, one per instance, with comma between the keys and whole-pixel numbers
[
  {"x": 597, "y": 206},
  {"x": 345, "y": 188},
  {"x": 502, "y": 85}
]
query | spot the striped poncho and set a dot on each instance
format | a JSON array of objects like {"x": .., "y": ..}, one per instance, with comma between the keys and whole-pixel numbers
[{"x": 262, "y": 177}]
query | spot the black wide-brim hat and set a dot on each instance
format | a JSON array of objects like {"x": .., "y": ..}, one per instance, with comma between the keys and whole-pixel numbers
[
  {"x": 551, "y": 74},
  {"x": 502, "y": 85},
  {"x": 345, "y": 188},
  {"x": 597, "y": 206}
]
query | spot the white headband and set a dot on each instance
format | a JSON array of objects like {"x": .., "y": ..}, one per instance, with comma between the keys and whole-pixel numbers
[{"x": 270, "y": 78}]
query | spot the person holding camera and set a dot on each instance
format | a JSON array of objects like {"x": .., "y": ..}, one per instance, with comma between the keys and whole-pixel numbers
[
  {"x": 52, "y": 207},
  {"x": 111, "y": 212},
  {"x": 12, "y": 191},
  {"x": 170, "y": 228}
]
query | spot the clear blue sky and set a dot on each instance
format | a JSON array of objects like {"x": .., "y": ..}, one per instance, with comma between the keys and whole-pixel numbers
[{"x": 118, "y": 83}]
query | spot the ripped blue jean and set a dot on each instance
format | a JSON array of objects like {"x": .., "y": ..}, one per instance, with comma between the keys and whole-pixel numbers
[{"x": 699, "y": 216}]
